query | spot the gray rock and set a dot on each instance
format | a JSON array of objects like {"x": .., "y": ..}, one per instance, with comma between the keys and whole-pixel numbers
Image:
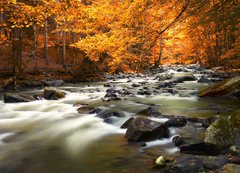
[
  {"x": 196, "y": 164},
  {"x": 143, "y": 129},
  {"x": 151, "y": 111},
  {"x": 17, "y": 98}
]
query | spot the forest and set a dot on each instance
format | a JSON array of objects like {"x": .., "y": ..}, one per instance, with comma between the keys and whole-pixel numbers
[
  {"x": 119, "y": 86},
  {"x": 117, "y": 36}
]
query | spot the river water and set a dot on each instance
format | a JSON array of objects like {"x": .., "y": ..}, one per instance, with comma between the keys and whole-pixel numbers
[{"x": 51, "y": 137}]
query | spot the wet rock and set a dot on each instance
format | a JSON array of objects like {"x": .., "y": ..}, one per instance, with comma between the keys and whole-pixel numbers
[
  {"x": 107, "y": 85},
  {"x": 187, "y": 163},
  {"x": 143, "y": 129},
  {"x": 110, "y": 120},
  {"x": 105, "y": 115},
  {"x": 178, "y": 141},
  {"x": 172, "y": 91},
  {"x": 225, "y": 131},
  {"x": 176, "y": 122},
  {"x": 207, "y": 122},
  {"x": 204, "y": 79},
  {"x": 126, "y": 123},
  {"x": 17, "y": 98},
  {"x": 85, "y": 109},
  {"x": 196, "y": 164},
  {"x": 135, "y": 85},
  {"x": 50, "y": 93},
  {"x": 163, "y": 77},
  {"x": 126, "y": 92},
  {"x": 225, "y": 88},
  {"x": 195, "y": 120},
  {"x": 151, "y": 111},
  {"x": 200, "y": 149},
  {"x": 229, "y": 168},
  {"x": 140, "y": 92},
  {"x": 181, "y": 77}
]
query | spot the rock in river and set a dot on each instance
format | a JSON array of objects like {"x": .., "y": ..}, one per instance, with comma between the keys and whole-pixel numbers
[
  {"x": 225, "y": 88},
  {"x": 230, "y": 168},
  {"x": 196, "y": 164},
  {"x": 143, "y": 129},
  {"x": 225, "y": 131},
  {"x": 178, "y": 121},
  {"x": 200, "y": 149},
  {"x": 150, "y": 111},
  {"x": 50, "y": 93},
  {"x": 17, "y": 98}
]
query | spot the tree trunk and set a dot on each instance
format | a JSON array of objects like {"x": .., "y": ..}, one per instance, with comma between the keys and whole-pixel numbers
[
  {"x": 64, "y": 49},
  {"x": 17, "y": 51},
  {"x": 35, "y": 35},
  {"x": 46, "y": 42},
  {"x": 158, "y": 61}
]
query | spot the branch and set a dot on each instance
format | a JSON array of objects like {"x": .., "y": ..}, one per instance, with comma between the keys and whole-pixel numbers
[{"x": 176, "y": 19}]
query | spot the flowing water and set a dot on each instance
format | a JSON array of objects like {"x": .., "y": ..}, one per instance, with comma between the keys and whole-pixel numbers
[{"x": 51, "y": 137}]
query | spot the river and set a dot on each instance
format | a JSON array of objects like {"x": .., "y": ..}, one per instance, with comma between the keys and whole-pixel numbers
[{"x": 50, "y": 136}]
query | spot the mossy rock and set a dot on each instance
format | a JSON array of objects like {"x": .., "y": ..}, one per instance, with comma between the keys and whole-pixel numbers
[
  {"x": 224, "y": 88},
  {"x": 224, "y": 132},
  {"x": 229, "y": 168},
  {"x": 53, "y": 93}
]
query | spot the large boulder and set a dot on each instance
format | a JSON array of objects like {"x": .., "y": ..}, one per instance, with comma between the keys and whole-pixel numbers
[
  {"x": 50, "y": 93},
  {"x": 225, "y": 88},
  {"x": 225, "y": 131},
  {"x": 143, "y": 129},
  {"x": 230, "y": 168},
  {"x": 17, "y": 98}
]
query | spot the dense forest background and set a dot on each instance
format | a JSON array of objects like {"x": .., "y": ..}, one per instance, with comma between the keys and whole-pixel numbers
[{"x": 83, "y": 36}]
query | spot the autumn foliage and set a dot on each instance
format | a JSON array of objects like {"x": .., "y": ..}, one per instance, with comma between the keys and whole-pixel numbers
[{"x": 121, "y": 35}]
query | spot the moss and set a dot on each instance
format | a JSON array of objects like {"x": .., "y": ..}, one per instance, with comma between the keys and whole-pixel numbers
[
  {"x": 224, "y": 132},
  {"x": 227, "y": 87}
]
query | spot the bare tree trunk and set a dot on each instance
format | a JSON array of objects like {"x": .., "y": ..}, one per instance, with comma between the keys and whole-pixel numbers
[
  {"x": 46, "y": 42},
  {"x": 58, "y": 46},
  {"x": 35, "y": 35},
  {"x": 158, "y": 62},
  {"x": 17, "y": 50},
  {"x": 64, "y": 49}
]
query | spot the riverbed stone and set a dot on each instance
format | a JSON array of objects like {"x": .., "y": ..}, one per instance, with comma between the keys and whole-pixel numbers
[
  {"x": 196, "y": 164},
  {"x": 204, "y": 79},
  {"x": 151, "y": 111},
  {"x": 181, "y": 77},
  {"x": 85, "y": 109},
  {"x": 225, "y": 88},
  {"x": 178, "y": 121},
  {"x": 178, "y": 141},
  {"x": 143, "y": 129},
  {"x": 224, "y": 132},
  {"x": 17, "y": 98},
  {"x": 201, "y": 148},
  {"x": 50, "y": 93},
  {"x": 105, "y": 115}
]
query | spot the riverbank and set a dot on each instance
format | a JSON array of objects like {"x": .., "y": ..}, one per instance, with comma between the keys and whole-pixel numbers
[{"x": 83, "y": 132}]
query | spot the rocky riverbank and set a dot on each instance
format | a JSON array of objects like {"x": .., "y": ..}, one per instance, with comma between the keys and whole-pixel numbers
[{"x": 203, "y": 144}]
